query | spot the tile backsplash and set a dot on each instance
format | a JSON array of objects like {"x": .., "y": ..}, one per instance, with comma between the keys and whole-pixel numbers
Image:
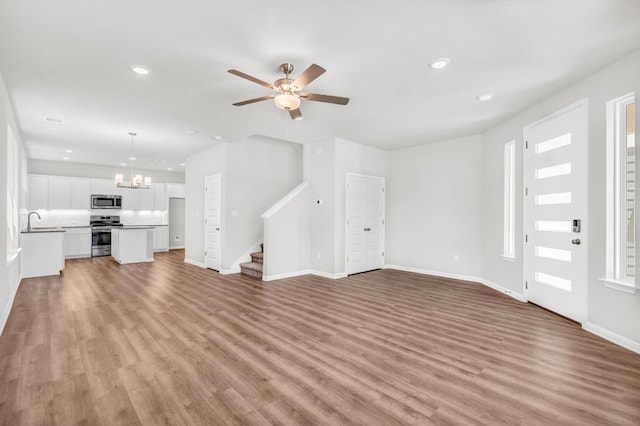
[{"x": 81, "y": 217}]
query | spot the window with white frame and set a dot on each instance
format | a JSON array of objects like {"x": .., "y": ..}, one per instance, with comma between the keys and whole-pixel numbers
[
  {"x": 509, "y": 242},
  {"x": 12, "y": 196},
  {"x": 621, "y": 174}
]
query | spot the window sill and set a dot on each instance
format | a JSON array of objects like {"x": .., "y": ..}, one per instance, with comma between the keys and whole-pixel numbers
[
  {"x": 619, "y": 285},
  {"x": 508, "y": 258},
  {"x": 11, "y": 256}
]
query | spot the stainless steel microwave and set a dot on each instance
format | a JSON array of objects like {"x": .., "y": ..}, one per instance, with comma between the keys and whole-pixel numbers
[{"x": 99, "y": 201}]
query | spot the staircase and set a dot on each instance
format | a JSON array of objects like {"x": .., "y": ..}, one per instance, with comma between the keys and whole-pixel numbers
[{"x": 254, "y": 268}]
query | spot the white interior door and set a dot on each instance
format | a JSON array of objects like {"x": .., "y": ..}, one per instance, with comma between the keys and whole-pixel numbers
[
  {"x": 212, "y": 241},
  {"x": 365, "y": 223},
  {"x": 555, "y": 165}
]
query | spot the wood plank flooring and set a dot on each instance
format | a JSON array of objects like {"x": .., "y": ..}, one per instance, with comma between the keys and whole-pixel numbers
[{"x": 170, "y": 343}]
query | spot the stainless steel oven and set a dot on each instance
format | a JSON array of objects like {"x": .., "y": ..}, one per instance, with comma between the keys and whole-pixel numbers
[{"x": 101, "y": 234}]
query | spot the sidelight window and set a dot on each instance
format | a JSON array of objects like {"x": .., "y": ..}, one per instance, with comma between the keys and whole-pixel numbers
[
  {"x": 621, "y": 177},
  {"x": 509, "y": 221}
]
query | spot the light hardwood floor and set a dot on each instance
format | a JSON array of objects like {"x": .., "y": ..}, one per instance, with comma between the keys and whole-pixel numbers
[{"x": 170, "y": 343}]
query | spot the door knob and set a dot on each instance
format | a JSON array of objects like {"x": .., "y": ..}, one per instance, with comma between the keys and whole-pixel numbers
[
  {"x": 217, "y": 229},
  {"x": 367, "y": 229},
  {"x": 576, "y": 241}
]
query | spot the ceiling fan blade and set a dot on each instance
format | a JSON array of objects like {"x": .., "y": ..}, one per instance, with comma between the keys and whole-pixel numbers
[
  {"x": 295, "y": 114},
  {"x": 325, "y": 98},
  {"x": 307, "y": 76},
  {"x": 250, "y": 101},
  {"x": 250, "y": 78}
]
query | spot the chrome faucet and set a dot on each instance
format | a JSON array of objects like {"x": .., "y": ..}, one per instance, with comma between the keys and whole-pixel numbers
[{"x": 29, "y": 220}]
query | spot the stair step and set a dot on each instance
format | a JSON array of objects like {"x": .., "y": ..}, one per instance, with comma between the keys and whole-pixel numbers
[
  {"x": 251, "y": 268},
  {"x": 257, "y": 257}
]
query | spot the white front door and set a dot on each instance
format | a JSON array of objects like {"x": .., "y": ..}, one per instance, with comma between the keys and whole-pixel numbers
[
  {"x": 365, "y": 223},
  {"x": 212, "y": 241},
  {"x": 555, "y": 176}
]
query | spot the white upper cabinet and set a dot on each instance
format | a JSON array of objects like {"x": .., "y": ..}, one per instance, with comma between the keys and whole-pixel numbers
[
  {"x": 69, "y": 193},
  {"x": 131, "y": 199},
  {"x": 146, "y": 198},
  {"x": 175, "y": 190},
  {"x": 104, "y": 187},
  {"x": 38, "y": 192},
  {"x": 80, "y": 193},
  {"x": 60, "y": 192},
  {"x": 159, "y": 196}
]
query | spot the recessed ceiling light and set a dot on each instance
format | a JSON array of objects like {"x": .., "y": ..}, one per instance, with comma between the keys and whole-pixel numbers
[
  {"x": 182, "y": 164},
  {"x": 169, "y": 168},
  {"x": 54, "y": 120},
  {"x": 218, "y": 137},
  {"x": 485, "y": 97},
  {"x": 65, "y": 158},
  {"x": 140, "y": 69},
  {"x": 439, "y": 63},
  {"x": 190, "y": 132},
  {"x": 132, "y": 158},
  {"x": 69, "y": 151},
  {"x": 123, "y": 164}
]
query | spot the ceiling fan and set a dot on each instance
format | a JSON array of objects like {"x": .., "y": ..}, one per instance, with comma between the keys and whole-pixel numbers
[{"x": 288, "y": 96}]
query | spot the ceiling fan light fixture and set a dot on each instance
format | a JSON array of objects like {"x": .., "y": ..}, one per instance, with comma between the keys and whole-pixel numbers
[{"x": 287, "y": 101}]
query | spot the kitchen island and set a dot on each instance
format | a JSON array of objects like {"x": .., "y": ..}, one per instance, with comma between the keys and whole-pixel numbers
[{"x": 132, "y": 244}]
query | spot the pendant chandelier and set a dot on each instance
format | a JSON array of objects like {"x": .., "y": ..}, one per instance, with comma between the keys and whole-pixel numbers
[{"x": 137, "y": 181}]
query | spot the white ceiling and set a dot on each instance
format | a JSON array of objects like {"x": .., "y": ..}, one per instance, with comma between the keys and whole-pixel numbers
[{"x": 70, "y": 59}]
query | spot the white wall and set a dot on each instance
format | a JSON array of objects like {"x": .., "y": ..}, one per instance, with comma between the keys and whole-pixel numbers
[
  {"x": 287, "y": 234},
  {"x": 321, "y": 177},
  {"x": 176, "y": 222},
  {"x": 256, "y": 172},
  {"x": 206, "y": 163},
  {"x": 352, "y": 157},
  {"x": 434, "y": 204},
  {"x": 9, "y": 273},
  {"x": 612, "y": 312},
  {"x": 329, "y": 162}
]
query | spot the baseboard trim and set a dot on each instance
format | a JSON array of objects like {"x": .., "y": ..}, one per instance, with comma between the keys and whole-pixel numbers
[
  {"x": 7, "y": 309},
  {"x": 304, "y": 272},
  {"x": 619, "y": 340},
  {"x": 518, "y": 296},
  {"x": 194, "y": 263},
  {"x": 328, "y": 274},
  {"x": 286, "y": 275},
  {"x": 235, "y": 269}
]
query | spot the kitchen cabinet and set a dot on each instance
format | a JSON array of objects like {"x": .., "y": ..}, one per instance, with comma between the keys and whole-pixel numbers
[
  {"x": 159, "y": 196},
  {"x": 175, "y": 190},
  {"x": 38, "y": 192},
  {"x": 80, "y": 193},
  {"x": 58, "y": 192},
  {"x": 104, "y": 187},
  {"x": 145, "y": 200},
  {"x": 161, "y": 238},
  {"x": 62, "y": 193},
  {"x": 77, "y": 242},
  {"x": 137, "y": 199},
  {"x": 42, "y": 253},
  {"x": 69, "y": 193}
]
